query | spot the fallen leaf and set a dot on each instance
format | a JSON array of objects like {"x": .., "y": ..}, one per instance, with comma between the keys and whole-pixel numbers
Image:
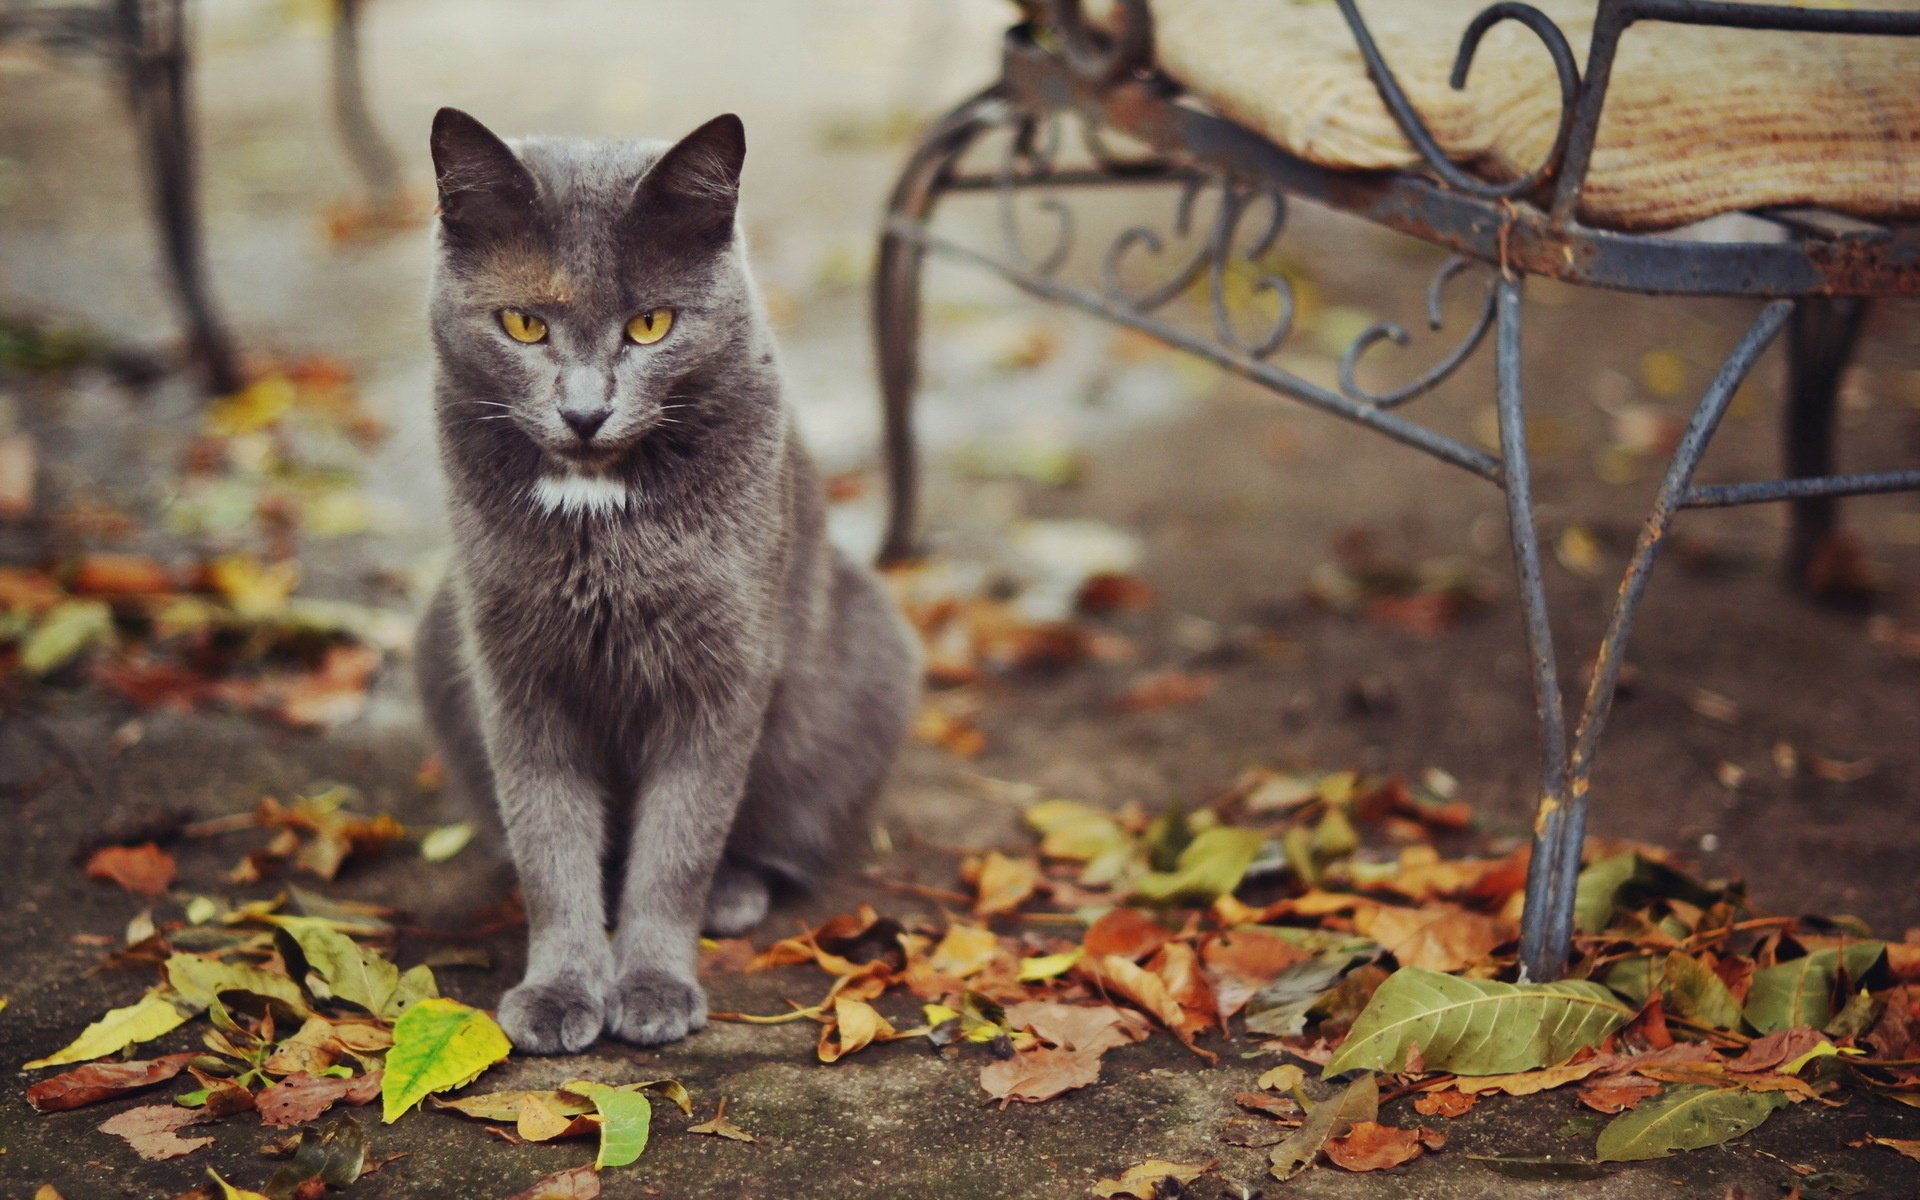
[
  {"x": 1358, "y": 1101},
  {"x": 965, "y": 950},
  {"x": 1040, "y": 1073},
  {"x": 721, "y": 1126},
  {"x": 159, "y": 1011},
  {"x": 1283, "y": 1078},
  {"x": 1766, "y": 1053},
  {"x": 1685, "y": 1118},
  {"x": 1240, "y": 962},
  {"x": 1444, "y": 1102},
  {"x": 1370, "y": 1146},
  {"x": 353, "y": 973},
  {"x": 626, "y": 1119},
  {"x": 300, "y": 1098},
  {"x": 153, "y": 1130},
  {"x": 1143, "y": 1181},
  {"x": 145, "y": 870},
  {"x": 577, "y": 1183},
  {"x": 1211, "y": 865},
  {"x": 1437, "y": 938},
  {"x": 1165, "y": 689},
  {"x": 1093, "y": 1028},
  {"x": 856, "y": 1025},
  {"x": 1690, "y": 989},
  {"x": 1477, "y": 1026},
  {"x": 1526, "y": 1083},
  {"x": 334, "y": 1158},
  {"x": 438, "y": 1045},
  {"x": 66, "y": 631},
  {"x": 1617, "y": 1094},
  {"x": 1905, "y": 1147},
  {"x": 230, "y": 1192},
  {"x": 103, "y": 1081},
  {"x": 1127, "y": 932},
  {"x": 443, "y": 842},
  {"x": 17, "y": 463},
  {"x": 1003, "y": 884}
]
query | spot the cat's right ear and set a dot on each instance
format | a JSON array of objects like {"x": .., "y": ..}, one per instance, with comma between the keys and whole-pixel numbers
[{"x": 484, "y": 190}]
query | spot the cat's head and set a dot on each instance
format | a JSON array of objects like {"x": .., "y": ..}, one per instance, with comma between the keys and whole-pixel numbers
[{"x": 583, "y": 285}]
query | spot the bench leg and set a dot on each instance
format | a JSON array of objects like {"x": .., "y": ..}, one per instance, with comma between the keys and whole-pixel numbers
[
  {"x": 896, "y": 307},
  {"x": 155, "y": 36},
  {"x": 372, "y": 156},
  {"x": 1547, "y": 925},
  {"x": 1819, "y": 343}
]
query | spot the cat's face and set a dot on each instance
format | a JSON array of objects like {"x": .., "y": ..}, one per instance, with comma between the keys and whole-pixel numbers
[{"x": 582, "y": 286}]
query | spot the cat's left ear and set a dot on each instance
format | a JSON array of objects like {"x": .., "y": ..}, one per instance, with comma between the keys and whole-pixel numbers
[{"x": 695, "y": 186}]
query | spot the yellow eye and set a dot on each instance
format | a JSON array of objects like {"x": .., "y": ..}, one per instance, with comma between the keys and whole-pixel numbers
[
  {"x": 523, "y": 327},
  {"x": 650, "y": 326}
]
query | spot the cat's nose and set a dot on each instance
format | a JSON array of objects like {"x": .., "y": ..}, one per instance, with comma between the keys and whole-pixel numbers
[{"x": 585, "y": 421}]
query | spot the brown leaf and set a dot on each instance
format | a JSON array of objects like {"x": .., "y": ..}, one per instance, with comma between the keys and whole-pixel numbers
[
  {"x": 1127, "y": 932},
  {"x": 1618, "y": 1093},
  {"x": 720, "y": 1126},
  {"x": 1434, "y": 938},
  {"x": 102, "y": 1081},
  {"x": 579, "y": 1183},
  {"x": 1040, "y": 1074},
  {"x": 120, "y": 575},
  {"x": 1444, "y": 1102},
  {"x": 1272, "y": 1106},
  {"x": 17, "y": 460},
  {"x": 1179, "y": 968},
  {"x": 542, "y": 1122},
  {"x": 145, "y": 870},
  {"x": 1145, "y": 1181},
  {"x": 1092, "y": 1028},
  {"x": 1370, "y": 1146},
  {"x": 1002, "y": 883},
  {"x": 855, "y": 1025},
  {"x": 153, "y": 1130},
  {"x": 335, "y": 693},
  {"x": 1526, "y": 1083},
  {"x": 1165, "y": 689},
  {"x": 1241, "y": 962},
  {"x": 1905, "y": 1147},
  {"x": 1766, "y": 1053},
  {"x": 300, "y": 1097}
]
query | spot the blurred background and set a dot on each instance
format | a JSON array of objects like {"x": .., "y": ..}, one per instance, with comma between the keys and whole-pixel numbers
[{"x": 194, "y": 588}]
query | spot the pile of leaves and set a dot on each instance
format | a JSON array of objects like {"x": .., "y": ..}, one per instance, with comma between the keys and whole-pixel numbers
[
  {"x": 219, "y": 625},
  {"x": 303, "y": 1013},
  {"x": 1385, "y": 970}
]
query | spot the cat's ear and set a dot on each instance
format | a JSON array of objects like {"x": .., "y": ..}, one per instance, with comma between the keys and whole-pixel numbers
[
  {"x": 695, "y": 186},
  {"x": 484, "y": 190}
]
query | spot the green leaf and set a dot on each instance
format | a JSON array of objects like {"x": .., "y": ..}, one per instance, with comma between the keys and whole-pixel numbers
[
  {"x": 441, "y": 844},
  {"x": 1685, "y": 1118},
  {"x": 1477, "y": 1026},
  {"x": 438, "y": 1045},
  {"x": 353, "y": 973},
  {"x": 1634, "y": 978},
  {"x": 200, "y": 979},
  {"x": 69, "y": 629},
  {"x": 159, "y": 1011},
  {"x": 1597, "y": 892},
  {"x": 1692, "y": 990},
  {"x": 1080, "y": 832},
  {"x": 1799, "y": 992},
  {"x": 626, "y": 1116},
  {"x": 1210, "y": 866}
]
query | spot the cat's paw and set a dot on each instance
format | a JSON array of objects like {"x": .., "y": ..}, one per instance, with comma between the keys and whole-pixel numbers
[
  {"x": 553, "y": 1016},
  {"x": 649, "y": 1007},
  {"x": 737, "y": 902}
]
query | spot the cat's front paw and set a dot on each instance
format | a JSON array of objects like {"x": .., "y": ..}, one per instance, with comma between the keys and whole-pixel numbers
[
  {"x": 553, "y": 1016},
  {"x": 649, "y": 1007}
]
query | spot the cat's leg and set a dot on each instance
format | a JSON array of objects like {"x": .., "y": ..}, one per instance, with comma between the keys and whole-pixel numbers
[
  {"x": 831, "y": 735},
  {"x": 685, "y": 809},
  {"x": 555, "y": 818},
  {"x": 737, "y": 901}
]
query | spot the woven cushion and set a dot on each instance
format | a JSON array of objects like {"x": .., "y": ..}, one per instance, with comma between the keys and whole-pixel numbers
[{"x": 1697, "y": 121}]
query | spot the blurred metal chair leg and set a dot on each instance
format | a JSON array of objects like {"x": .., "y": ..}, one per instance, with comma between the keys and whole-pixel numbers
[
  {"x": 1819, "y": 344},
  {"x": 154, "y": 34},
  {"x": 372, "y": 154}
]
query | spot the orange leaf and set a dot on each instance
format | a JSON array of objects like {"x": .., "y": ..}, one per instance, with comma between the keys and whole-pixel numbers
[
  {"x": 1127, "y": 932},
  {"x": 1002, "y": 883},
  {"x": 1444, "y": 1102},
  {"x": 1434, "y": 938},
  {"x": 145, "y": 869},
  {"x": 1371, "y": 1146}
]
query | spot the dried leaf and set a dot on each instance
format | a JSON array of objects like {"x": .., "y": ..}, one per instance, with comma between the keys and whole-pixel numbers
[
  {"x": 334, "y": 1157},
  {"x": 145, "y": 870},
  {"x": 1211, "y": 865},
  {"x": 1040, "y": 1073},
  {"x": 153, "y": 1130},
  {"x": 1093, "y": 1028},
  {"x": 1690, "y": 989},
  {"x": 721, "y": 1126},
  {"x": 965, "y": 950},
  {"x": 1526, "y": 1083},
  {"x": 1436, "y": 938},
  {"x": 1476, "y": 1026},
  {"x": 1618, "y": 1093},
  {"x": 103, "y": 1081},
  {"x": 1445, "y": 1102},
  {"x": 1004, "y": 883},
  {"x": 1127, "y": 932},
  {"x": 159, "y": 1011},
  {"x": 438, "y": 1045},
  {"x": 576, "y": 1183},
  {"x": 856, "y": 1025},
  {"x": 1358, "y": 1101},
  {"x": 1905, "y": 1147},
  {"x": 1370, "y": 1146},
  {"x": 300, "y": 1098},
  {"x": 1143, "y": 1181}
]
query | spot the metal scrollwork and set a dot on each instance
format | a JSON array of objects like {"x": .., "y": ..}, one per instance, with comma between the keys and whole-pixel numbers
[
  {"x": 1097, "y": 55},
  {"x": 1389, "y": 331},
  {"x": 1028, "y": 161}
]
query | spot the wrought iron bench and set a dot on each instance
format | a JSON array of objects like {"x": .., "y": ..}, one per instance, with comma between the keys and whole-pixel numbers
[
  {"x": 147, "y": 41},
  {"x": 1816, "y": 270}
]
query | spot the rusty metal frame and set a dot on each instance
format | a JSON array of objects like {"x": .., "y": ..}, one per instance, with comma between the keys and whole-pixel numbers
[{"x": 1816, "y": 282}]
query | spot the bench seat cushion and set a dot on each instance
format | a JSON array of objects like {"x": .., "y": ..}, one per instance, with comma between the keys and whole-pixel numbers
[{"x": 1698, "y": 121}]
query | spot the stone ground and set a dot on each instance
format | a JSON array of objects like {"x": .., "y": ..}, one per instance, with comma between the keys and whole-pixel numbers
[{"x": 1235, "y": 498}]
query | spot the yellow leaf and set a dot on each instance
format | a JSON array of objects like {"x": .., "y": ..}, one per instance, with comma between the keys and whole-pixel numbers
[
  {"x": 856, "y": 1025},
  {"x": 1663, "y": 372},
  {"x": 438, "y": 1045},
  {"x": 964, "y": 951},
  {"x": 159, "y": 1011},
  {"x": 260, "y": 405},
  {"x": 1004, "y": 883},
  {"x": 1283, "y": 1078},
  {"x": 540, "y": 1121},
  {"x": 1143, "y": 1180},
  {"x": 230, "y": 1192},
  {"x": 254, "y": 589},
  {"x": 1047, "y": 966}
]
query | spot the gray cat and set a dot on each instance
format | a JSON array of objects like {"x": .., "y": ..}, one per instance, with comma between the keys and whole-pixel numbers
[{"x": 647, "y": 654}]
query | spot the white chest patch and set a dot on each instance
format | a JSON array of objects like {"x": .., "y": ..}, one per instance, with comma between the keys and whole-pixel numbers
[{"x": 572, "y": 493}]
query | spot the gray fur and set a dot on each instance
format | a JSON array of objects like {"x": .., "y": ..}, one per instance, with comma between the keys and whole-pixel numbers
[{"x": 677, "y": 700}]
